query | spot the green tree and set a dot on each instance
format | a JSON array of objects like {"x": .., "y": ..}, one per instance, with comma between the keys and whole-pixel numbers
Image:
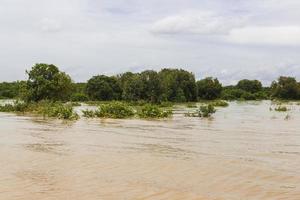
[
  {"x": 252, "y": 86},
  {"x": 103, "y": 88},
  {"x": 132, "y": 86},
  {"x": 46, "y": 82},
  {"x": 178, "y": 85},
  {"x": 209, "y": 88},
  {"x": 152, "y": 88},
  {"x": 285, "y": 88}
]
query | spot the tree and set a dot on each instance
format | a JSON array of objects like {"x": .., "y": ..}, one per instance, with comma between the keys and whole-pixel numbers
[
  {"x": 209, "y": 88},
  {"x": 46, "y": 82},
  {"x": 178, "y": 85},
  {"x": 151, "y": 86},
  {"x": 132, "y": 86},
  {"x": 103, "y": 88},
  {"x": 252, "y": 86},
  {"x": 285, "y": 88}
]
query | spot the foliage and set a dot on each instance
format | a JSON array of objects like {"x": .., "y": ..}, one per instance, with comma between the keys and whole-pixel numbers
[
  {"x": 285, "y": 88},
  {"x": 89, "y": 113},
  {"x": 79, "y": 97},
  {"x": 153, "y": 111},
  {"x": 209, "y": 88},
  {"x": 103, "y": 88},
  {"x": 44, "y": 108},
  {"x": 204, "y": 111},
  {"x": 250, "y": 86},
  {"x": 115, "y": 110},
  {"x": 46, "y": 82},
  {"x": 178, "y": 85}
]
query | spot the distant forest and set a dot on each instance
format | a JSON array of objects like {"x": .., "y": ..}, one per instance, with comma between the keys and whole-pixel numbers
[{"x": 174, "y": 85}]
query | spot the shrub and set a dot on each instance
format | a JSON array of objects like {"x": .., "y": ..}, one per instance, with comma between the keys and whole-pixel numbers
[
  {"x": 153, "y": 111},
  {"x": 45, "y": 108},
  {"x": 115, "y": 110},
  {"x": 89, "y": 113},
  {"x": 204, "y": 111},
  {"x": 79, "y": 97}
]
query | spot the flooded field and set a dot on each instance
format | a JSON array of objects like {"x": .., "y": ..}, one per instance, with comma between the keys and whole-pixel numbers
[{"x": 246, "y": 152}]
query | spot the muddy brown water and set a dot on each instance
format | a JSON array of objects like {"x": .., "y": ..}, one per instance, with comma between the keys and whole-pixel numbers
[{"x": 246, "y": 152}]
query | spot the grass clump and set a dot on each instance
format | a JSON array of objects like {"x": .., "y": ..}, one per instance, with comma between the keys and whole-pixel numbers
[
  {"x": 204, "y": 111},
  {"x": 220, "y": 103},
  {"x": 153, "y": 111}
]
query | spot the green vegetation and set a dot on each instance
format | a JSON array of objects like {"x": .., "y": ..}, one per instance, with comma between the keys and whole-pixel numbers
[
  {"x": 46, "y": 82},
  {"x": 209, "y": 88},
  {"x": 153, "y": 111},
  {"x": 285, "y": 88},
  {"x": 115, "y": 110},
  {"x": 204, "y": 111},
  {"x": 45, "y": 108},
  {"x": 163, "y": 88},
  {"x": 120, "y": 110}
]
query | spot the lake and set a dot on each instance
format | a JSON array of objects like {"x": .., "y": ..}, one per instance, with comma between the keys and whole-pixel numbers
[{"x": 246, "y": 151}]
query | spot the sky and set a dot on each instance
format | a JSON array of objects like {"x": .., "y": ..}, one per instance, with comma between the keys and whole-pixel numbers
[{"x": 231, "y": 40}]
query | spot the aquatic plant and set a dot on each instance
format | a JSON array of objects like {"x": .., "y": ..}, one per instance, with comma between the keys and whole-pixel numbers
[
  {"x": 117, "y": 110},
  {"x": 204, "y": 111},
  {"x": 44, "y": 108},
  {"x": 153, "y": 111},
  {"x": 89, "y": 113}
]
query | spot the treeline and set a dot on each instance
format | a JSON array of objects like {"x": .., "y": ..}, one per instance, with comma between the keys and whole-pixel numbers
[{"x": 175, "y": 85}]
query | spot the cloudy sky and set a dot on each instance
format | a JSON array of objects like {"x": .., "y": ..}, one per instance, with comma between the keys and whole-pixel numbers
[{"x": 232, "y": 39}]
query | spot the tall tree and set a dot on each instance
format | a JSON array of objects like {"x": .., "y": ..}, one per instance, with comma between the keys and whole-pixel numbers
[
  {"x": 103, "y": 88},
  {"x": 47, "y": 82},
  {"x": 209, "y": 88}
]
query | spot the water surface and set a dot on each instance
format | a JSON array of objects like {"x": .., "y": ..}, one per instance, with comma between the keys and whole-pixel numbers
[{"x": 245, "y": 152}]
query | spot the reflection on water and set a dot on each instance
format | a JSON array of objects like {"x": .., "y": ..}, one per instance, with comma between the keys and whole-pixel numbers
[{"x": 245, "y": 152}]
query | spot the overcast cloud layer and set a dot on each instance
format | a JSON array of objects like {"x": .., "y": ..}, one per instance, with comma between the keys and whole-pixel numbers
[{"x": 232, "y": 39}]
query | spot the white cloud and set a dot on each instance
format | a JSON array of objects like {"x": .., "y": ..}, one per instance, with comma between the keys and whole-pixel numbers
[
  {"x": 196, "y": 23},
  {"x": 50, "y": 25},
  {"x": 281, "y": 35}
]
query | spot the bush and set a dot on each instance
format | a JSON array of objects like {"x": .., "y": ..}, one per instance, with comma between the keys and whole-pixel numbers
[
  {"x": 115, "y": 110},
  {"x": 45, "y": 108},
  {"x": 89, "y": 113},
  {"x": 153, "y": 111},
  {"x": 203, "y": 111},
  {"x": 59, "y": 111},
  {"x": 79, "y": 97}
]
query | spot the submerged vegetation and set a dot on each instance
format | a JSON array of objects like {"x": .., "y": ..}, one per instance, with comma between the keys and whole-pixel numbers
[
  {"x": 148, "y": 94},
  {"x": 203, "y": 111},
  {"x": 119, "y": 110},
  {"x": 44, "y": 108},
  {"x": 153, "y": 111}
]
